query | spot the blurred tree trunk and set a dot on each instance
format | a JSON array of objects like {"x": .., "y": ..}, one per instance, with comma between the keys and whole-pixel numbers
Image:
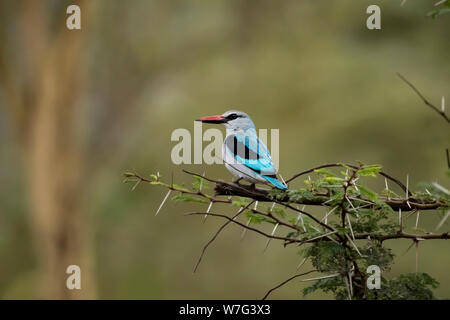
[{"x": 45, "y": 105}]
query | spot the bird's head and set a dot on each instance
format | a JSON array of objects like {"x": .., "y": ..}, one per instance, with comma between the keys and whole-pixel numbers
[{"x": 232, "y": 119}]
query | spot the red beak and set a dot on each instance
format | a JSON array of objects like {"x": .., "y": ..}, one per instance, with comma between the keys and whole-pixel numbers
[{"x": 212, "y": 119}]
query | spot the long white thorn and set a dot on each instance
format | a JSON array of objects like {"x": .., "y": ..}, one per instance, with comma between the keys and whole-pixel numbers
[
  {"x": 400, "y": 218},
  {"x": 411, "y": 213},
  {"x": 136, "y": 184},
  {"x": 351, "y": 204},
  {"x": 348, "y": 288},
  {"x": 447, "y": 214},
  {"x": 350, "y": 282},
  {"x": 245, "y": 229},
  {"x": 417, "y": 256},
  {"x": 327, "y": 214},
  {"x": 271, "y": 208},
  {"x": 162, "y": 203},
  {"x": 284, "y": 182},
  {"x": 351, "y": 229},
  {"x": 319, "y": 278},
  {"x": 407, "y": 185},
  {"x": 443, "y": 104},
  {"x": 406, "y": 251},
  {"x": 268, "y": 240},
  {"x": 353, "y": 207},
  {"x": 417, "y": 218},
  {"x": 441, "y": 188},
  {"x": 387, "y": 188},
  {"x": 354, "y": 245},
  {"x": 300, "y": 217},
  {"x": 361, "y": 200},
  {"x": 407, "y": 193},
  {"x": 207, "y": 211},
  {"x": 301, "y": 263},
  {"x": 321, "y": 236}
]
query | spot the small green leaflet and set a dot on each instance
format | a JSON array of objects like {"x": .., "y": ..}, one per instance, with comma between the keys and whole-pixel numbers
[
  {"x": 369, "y": 170},
  {"x": 188, "y": 198},
  {"x": 371, "y": 195}
]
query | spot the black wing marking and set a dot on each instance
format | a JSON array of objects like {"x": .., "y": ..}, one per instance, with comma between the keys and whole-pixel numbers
[{"x": 240, "y": 149}]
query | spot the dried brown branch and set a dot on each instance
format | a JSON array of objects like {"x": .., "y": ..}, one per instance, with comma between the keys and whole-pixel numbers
[
  {"x": 425, "y": 100},
  {"x": 286, "y": 281},
  {"x": 403, "y": 235},
  {"x": 218, "y": 231},
  {"x": 232, "y": 220}
]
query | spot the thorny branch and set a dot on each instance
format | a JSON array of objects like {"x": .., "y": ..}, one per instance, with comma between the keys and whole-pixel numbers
[
  {"x": 405, "y": 204},
  {"x": 348, "y": 205}
]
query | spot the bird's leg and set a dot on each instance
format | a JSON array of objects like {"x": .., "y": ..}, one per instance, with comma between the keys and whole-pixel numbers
[
  {"x": 237, "y": 180},
  {"x": 252, "y": 187}
]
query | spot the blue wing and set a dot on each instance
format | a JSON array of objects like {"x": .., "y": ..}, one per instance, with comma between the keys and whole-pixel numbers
[
  {"x": 277, "y": 183},
  {"x": 250, "y": 151}
]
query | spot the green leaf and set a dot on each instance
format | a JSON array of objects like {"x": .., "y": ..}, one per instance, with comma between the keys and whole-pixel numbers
[
  {"x": 293, "y": 235},
  {"x": 438, "y": 12},
  {"x": 279, "y": 211},
  {"x": 325, "y": 172},
  {"x": 334, "y": 179},
  {"x": 242, "y": 202},
  {"x": 369, "y": 170},
  {"x": 188, "y": 198},
  {"x": 328, "y": 257},
  {"x": 345, "y": 166},
  {"x": 389, "y": 193},
  {"x": 180, "y": 187},
  {"x": 410, "y": 286},
  {"x": 257, "y": 218},
  {"x": 371, "y": 195},
  {"x": 326, "y": 285},
  {"x": 199, "y": 183}
]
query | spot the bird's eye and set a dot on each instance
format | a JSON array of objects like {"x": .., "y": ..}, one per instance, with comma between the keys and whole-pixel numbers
[{"x": 232, "y": 116}]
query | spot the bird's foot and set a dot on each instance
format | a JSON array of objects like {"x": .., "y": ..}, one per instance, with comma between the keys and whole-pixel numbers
[{"x": 237, "y": 181}]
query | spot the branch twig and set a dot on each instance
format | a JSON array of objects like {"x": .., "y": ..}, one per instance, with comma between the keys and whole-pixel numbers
[
  {"x": 218, "y": 231},
  {"x": 428, "y": 103},
  {"x": 286, "y": 281}
]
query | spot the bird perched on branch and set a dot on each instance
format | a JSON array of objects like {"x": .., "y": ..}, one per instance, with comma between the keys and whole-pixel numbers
[{"x": 243, "y": 153}]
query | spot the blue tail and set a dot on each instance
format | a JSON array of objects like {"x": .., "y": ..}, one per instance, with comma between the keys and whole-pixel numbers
[{"x": 276, "y": 183}]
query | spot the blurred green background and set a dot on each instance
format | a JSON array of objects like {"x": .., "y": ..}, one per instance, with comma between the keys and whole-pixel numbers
[{"x": 78, "y": 108}]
